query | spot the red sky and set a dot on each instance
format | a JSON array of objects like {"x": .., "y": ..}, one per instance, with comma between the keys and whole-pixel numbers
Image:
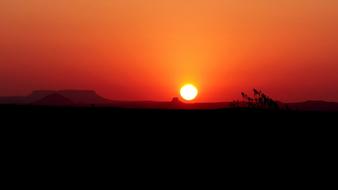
[{"x": 147, "y": 49}]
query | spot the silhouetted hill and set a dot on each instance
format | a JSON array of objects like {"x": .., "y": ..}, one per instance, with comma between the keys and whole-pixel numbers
[
  {"x": 84, "y": 96},
  {"x": 79, "y": 97},
  {"x": 31, "y": 98},
  {"x": 37, "y": 95},
  {"x": 54, "y": 100},
  {"x": 76, "y": 96}
]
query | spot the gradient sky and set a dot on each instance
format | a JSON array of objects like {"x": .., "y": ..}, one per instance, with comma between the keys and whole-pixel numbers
[{"x": 147, "y": 49}]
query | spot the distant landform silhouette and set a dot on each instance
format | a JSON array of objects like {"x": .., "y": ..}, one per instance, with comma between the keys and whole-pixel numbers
[
  {"x": 54, "y": 99},
  {"x": 62, "y": 97},
  {"x": 91, "y": 98}
]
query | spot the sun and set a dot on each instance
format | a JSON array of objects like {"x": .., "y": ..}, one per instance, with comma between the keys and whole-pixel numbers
[{"x": 189, "y": 92}]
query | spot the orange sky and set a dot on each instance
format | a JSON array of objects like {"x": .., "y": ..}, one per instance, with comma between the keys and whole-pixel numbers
[{"x": 147, "y": 49}]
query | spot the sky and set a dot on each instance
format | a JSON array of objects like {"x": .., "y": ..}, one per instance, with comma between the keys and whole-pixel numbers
[{"x": 147, "y": 49}]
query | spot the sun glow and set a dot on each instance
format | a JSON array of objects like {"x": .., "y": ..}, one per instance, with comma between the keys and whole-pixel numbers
[{"x": 189, "y": 92}]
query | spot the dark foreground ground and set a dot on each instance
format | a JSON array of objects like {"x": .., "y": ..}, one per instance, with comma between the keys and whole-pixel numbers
[
  {"x": 50, "y": 115},
  {"x": 184, "y": 129},
  {"x": 143, "y": 148},
  {"x": 103, "y": 120}
]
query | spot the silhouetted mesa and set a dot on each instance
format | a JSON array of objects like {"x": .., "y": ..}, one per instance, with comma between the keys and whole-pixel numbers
[
  {"x": 54, "y": 100},
  {"x": 84, "y": 97},
  {"x": 38, "y": 95},
  {"x": 78, "y": 97}
]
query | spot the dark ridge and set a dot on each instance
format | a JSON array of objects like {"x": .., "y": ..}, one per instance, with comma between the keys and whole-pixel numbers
[
  {"x": 76, "y": 96},
  {"x": 84, "y": 96},
  {"x": 38, "y": 95},
  {"x": 54, "y": 100}
]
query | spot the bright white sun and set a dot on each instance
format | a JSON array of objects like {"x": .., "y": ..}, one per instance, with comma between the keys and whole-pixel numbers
[{"x": 189, "y": 92}]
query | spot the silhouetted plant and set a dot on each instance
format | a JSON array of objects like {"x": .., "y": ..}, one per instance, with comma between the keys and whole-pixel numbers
[
  {"x": 260, "y": 100},
  {"x": 250, "y": 101},
  {"x": 235, "y": 104}
]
